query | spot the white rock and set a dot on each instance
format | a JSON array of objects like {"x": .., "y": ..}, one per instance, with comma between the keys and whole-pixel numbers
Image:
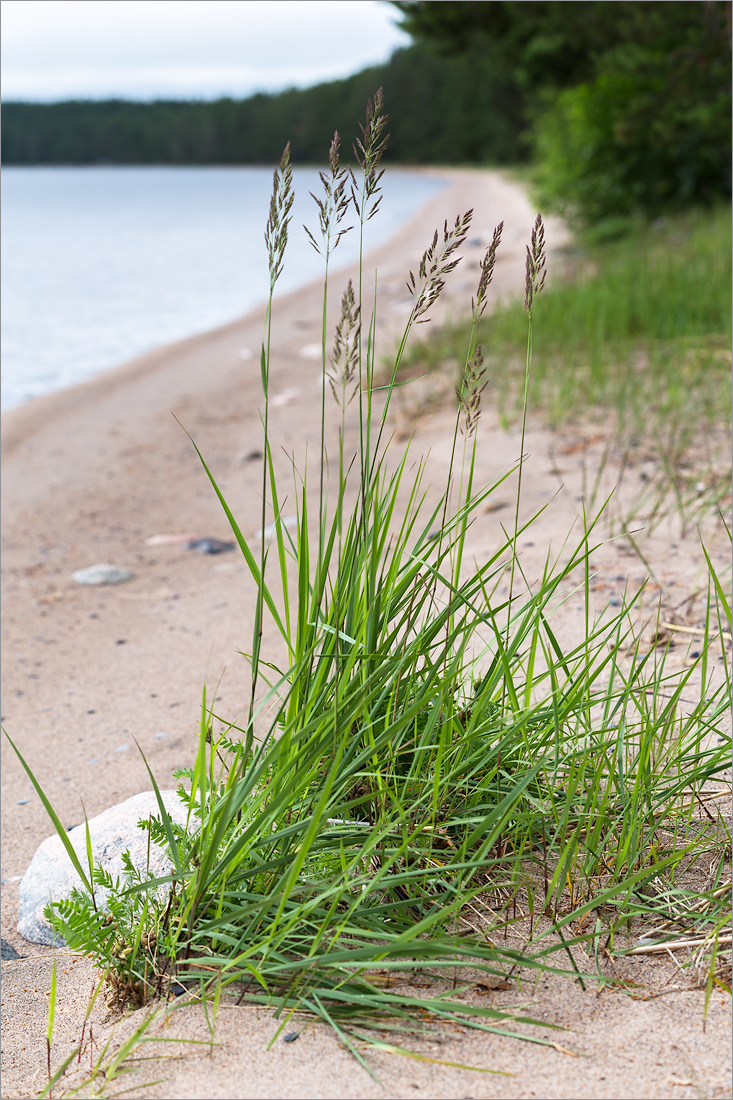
[
  {"x": 103, "y": 574},
  {"x": 51, "y": 875}
]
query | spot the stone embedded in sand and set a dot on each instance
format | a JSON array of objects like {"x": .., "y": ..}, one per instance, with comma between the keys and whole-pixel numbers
[
  {"x": 210, "y": 546},
  {"x": 51, "y": 875},
  {"x": 103, "y": 574},
  {"x": 169, "y": 540},
  {"x": 8, "y": 952}
]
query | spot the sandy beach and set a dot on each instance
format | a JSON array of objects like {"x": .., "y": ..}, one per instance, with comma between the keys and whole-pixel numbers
[{"x": 94, "y": 472}]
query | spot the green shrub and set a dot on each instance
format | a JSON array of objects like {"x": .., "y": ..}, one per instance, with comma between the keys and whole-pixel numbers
[{"x": 650, "y": 133}]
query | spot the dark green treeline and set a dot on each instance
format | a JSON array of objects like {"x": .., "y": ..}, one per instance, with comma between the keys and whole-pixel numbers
[{"x": 441, "y": 110}]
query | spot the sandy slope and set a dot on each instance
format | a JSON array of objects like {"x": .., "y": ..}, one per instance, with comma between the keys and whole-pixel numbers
[{"x": 89, "y": 475}]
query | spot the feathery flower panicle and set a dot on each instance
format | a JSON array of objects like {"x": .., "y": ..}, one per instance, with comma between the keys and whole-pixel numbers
[
  {"x": 436, "y": 263},
  {"x": 276, "y": 232},
  {"x": 487, "y": 271},
  {"x": 469, "y": 392},
  {"x": 535, "y": 266},
  {"x": 345, "y": 355},
  {"x": 368, "y": 152},
  {"x": 333, "y": 206}
]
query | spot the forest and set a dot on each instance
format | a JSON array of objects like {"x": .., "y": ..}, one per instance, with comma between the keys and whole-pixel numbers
[{"x": 620, "y": 108}]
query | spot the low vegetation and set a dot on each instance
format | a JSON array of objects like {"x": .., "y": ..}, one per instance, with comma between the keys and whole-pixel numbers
[
  {"x": 434, "y": 765},
  {"x": 633, "y": 337}
]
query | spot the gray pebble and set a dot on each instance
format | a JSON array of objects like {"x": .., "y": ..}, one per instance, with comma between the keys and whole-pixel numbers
[
  {"x": 210, "y": 546},
  {"x": 102, "y": 574}
]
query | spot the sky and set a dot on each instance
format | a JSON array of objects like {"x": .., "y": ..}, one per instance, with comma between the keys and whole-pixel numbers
[{"x": 188, "y": 49}]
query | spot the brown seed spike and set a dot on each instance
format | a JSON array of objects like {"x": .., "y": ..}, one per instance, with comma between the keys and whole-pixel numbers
[
  {"x": 487, "y": 271},
  {"x": 535, "y": 265},
  {"x": 276, "y": 231}
]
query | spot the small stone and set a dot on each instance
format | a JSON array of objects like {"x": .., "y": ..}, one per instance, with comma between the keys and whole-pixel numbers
[
  {"x": 23, "y": 801},
  {"x": 291, "y": 1036},
  {"x": 103, "y": 574},
  {"x": 159, "y": 736},
  {"x": 169, "y": 539},
  {"x": 122, "y": 748},
  {"x": 8, "y": 952},
  {"x": 210, "y": 546},
  {"x": 51, "y": 875}
]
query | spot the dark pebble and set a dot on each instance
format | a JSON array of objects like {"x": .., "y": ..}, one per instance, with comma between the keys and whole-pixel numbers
[
  {"x": 8, "y": 952},
  {"x": 209, "y": 546},
  {"x": 291, "y": 1036},
  {"x": 177, "y": 989}
]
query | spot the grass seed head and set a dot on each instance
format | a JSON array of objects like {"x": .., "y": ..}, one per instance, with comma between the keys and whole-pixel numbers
[
  {"x": 276, "y": 232},
  {"x": 333, "y": 206},
  {"x": 469, "y": 392},
  {"x": 345, "y": 355},
  {"x": 487, "y": 271},
  {"x": 368, "y": 151},
  {"x": 437, "y": 261},
  {"x": 535, "y": 265}
]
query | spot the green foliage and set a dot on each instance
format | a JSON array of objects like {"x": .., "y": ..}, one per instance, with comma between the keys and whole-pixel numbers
[
  {"x": 546, "y": 42},
  {"x": 650, "y": 133},
  {"x": 630, "y": 102}
]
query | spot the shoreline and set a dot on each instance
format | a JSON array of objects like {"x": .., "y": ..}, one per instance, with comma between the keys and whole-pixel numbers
[{"x": 141, "y": 358}]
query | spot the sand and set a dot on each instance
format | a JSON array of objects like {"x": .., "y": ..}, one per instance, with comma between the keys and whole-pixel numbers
[{"x": 89, "y": 475}]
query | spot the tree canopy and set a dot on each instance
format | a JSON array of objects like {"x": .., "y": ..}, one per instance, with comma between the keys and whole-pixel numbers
[
  {"x": 442, "y": 110},
  {"x": 628, "y": 103}
]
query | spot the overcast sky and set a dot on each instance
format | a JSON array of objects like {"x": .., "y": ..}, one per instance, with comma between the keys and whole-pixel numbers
[{"x": 144, "y": 49}]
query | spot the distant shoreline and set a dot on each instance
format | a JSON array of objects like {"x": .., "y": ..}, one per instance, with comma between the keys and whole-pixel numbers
[{"x": 56, "y": 334}]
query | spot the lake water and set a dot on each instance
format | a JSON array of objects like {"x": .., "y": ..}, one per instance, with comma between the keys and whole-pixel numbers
[{"x": 102, "y": 264}]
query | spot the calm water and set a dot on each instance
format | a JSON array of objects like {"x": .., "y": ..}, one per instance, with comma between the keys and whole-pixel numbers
[{"x": 102, "y": 264}]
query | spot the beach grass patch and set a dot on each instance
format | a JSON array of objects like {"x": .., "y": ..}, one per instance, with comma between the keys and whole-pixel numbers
[{"x": 433, "y": 766}]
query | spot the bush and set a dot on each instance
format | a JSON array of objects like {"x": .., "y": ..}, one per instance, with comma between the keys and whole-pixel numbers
[{"x": 649, "y": 133}]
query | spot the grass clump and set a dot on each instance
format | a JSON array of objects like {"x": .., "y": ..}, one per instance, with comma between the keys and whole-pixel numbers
[{"x": 431, "y": 765}]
